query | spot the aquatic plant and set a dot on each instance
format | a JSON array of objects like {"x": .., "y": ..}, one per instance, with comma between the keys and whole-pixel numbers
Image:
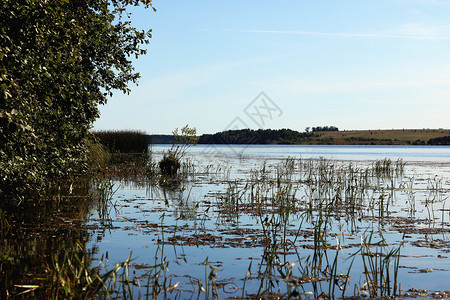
[
  {"x": 299, "y": 216},
  {"x": 72, "y": 276},
  {"x": 169, "y": 165},
  {"x": 381, "y": 280},
  {"x": 102, "y": 192},
  {"x": 171, "y": 161},
  {"x": 97, "y": 157}
]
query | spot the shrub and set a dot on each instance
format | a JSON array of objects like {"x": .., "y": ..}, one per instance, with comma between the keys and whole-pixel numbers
[{"x": 59, "y": 60}]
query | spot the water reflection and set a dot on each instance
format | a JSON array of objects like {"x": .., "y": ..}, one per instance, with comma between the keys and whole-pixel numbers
[
  {"x": 250, "y": 226},
  {"x": 35, "y": 234}
]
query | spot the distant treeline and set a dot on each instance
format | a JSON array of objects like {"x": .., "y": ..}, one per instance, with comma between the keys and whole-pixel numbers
[
  {"x": 318, "y": 136},
  {"x": 323, "y": 128},
  {"x": 244, "y": 136},
  {"x": 249, "y": 136},
  {"x": 445, "y": 140},
  {"x": 161, "y": 139}
]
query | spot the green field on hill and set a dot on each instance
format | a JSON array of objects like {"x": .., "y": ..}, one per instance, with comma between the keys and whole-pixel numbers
[{"x": 384, "y": 137}]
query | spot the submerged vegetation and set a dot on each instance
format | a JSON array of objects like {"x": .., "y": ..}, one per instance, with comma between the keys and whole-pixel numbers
[{"x": 315, "y": 228}]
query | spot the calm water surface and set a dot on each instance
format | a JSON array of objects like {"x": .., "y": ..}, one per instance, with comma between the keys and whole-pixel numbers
[
  {"x": 192, "y": 209},
  {"x": 338, "y": 152}
]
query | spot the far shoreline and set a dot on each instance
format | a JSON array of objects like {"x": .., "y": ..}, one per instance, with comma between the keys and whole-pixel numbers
[{"x": 346, "y": 137}]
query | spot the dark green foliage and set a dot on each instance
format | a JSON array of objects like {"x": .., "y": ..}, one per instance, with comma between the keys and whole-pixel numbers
[
  {"x": 418, "y": 142},
  {"x": 59, "y": 61},
  {"x": 249, "y": 136},
  {"x": 445, "y": 140},
  {"x": 125, "y": 141},
  {"x": 324, "y": 128}
]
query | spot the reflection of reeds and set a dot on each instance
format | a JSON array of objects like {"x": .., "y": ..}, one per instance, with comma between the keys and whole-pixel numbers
[
  {"x": 209, "y": 288},
  {"x": 292, "y": 201},
  {"x": 4, "y": 224},
  {"x": 381, "y": 266},
  {"x": 102, "y": 192},
  {"x": 330, "y": 189},
  {"x": 74, "y": 278}
]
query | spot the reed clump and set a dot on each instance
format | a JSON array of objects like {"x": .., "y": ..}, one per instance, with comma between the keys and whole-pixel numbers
[
  {"x": 301, "y": 198},
  {"x": 171, "y": 161},
  {"x": 97, "y": 157},
  {"x": 123, "y": 141}
]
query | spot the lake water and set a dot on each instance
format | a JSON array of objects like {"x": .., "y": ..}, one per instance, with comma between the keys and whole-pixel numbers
[
  {"x": 212, "y": 236},
  {"x": 338, "y": 152}
]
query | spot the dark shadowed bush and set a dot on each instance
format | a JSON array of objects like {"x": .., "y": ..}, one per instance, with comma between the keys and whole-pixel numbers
[
  {"x": 125, "y": 141},
  {"x": 171, "y": 162},
  {"x": 444, "y": 140},
  {"x": 169, "y": 165}
]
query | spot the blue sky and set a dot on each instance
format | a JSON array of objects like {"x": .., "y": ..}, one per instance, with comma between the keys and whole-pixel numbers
[{"x": 358, "y": 64}]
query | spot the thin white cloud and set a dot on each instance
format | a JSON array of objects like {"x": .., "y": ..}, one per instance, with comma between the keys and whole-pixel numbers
[
  {"x": 355, "y": 86},
  {"x": 423, "y": 2},
  {"x": 420, "y": 30},
  {"x": 345, "y": 34}
]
